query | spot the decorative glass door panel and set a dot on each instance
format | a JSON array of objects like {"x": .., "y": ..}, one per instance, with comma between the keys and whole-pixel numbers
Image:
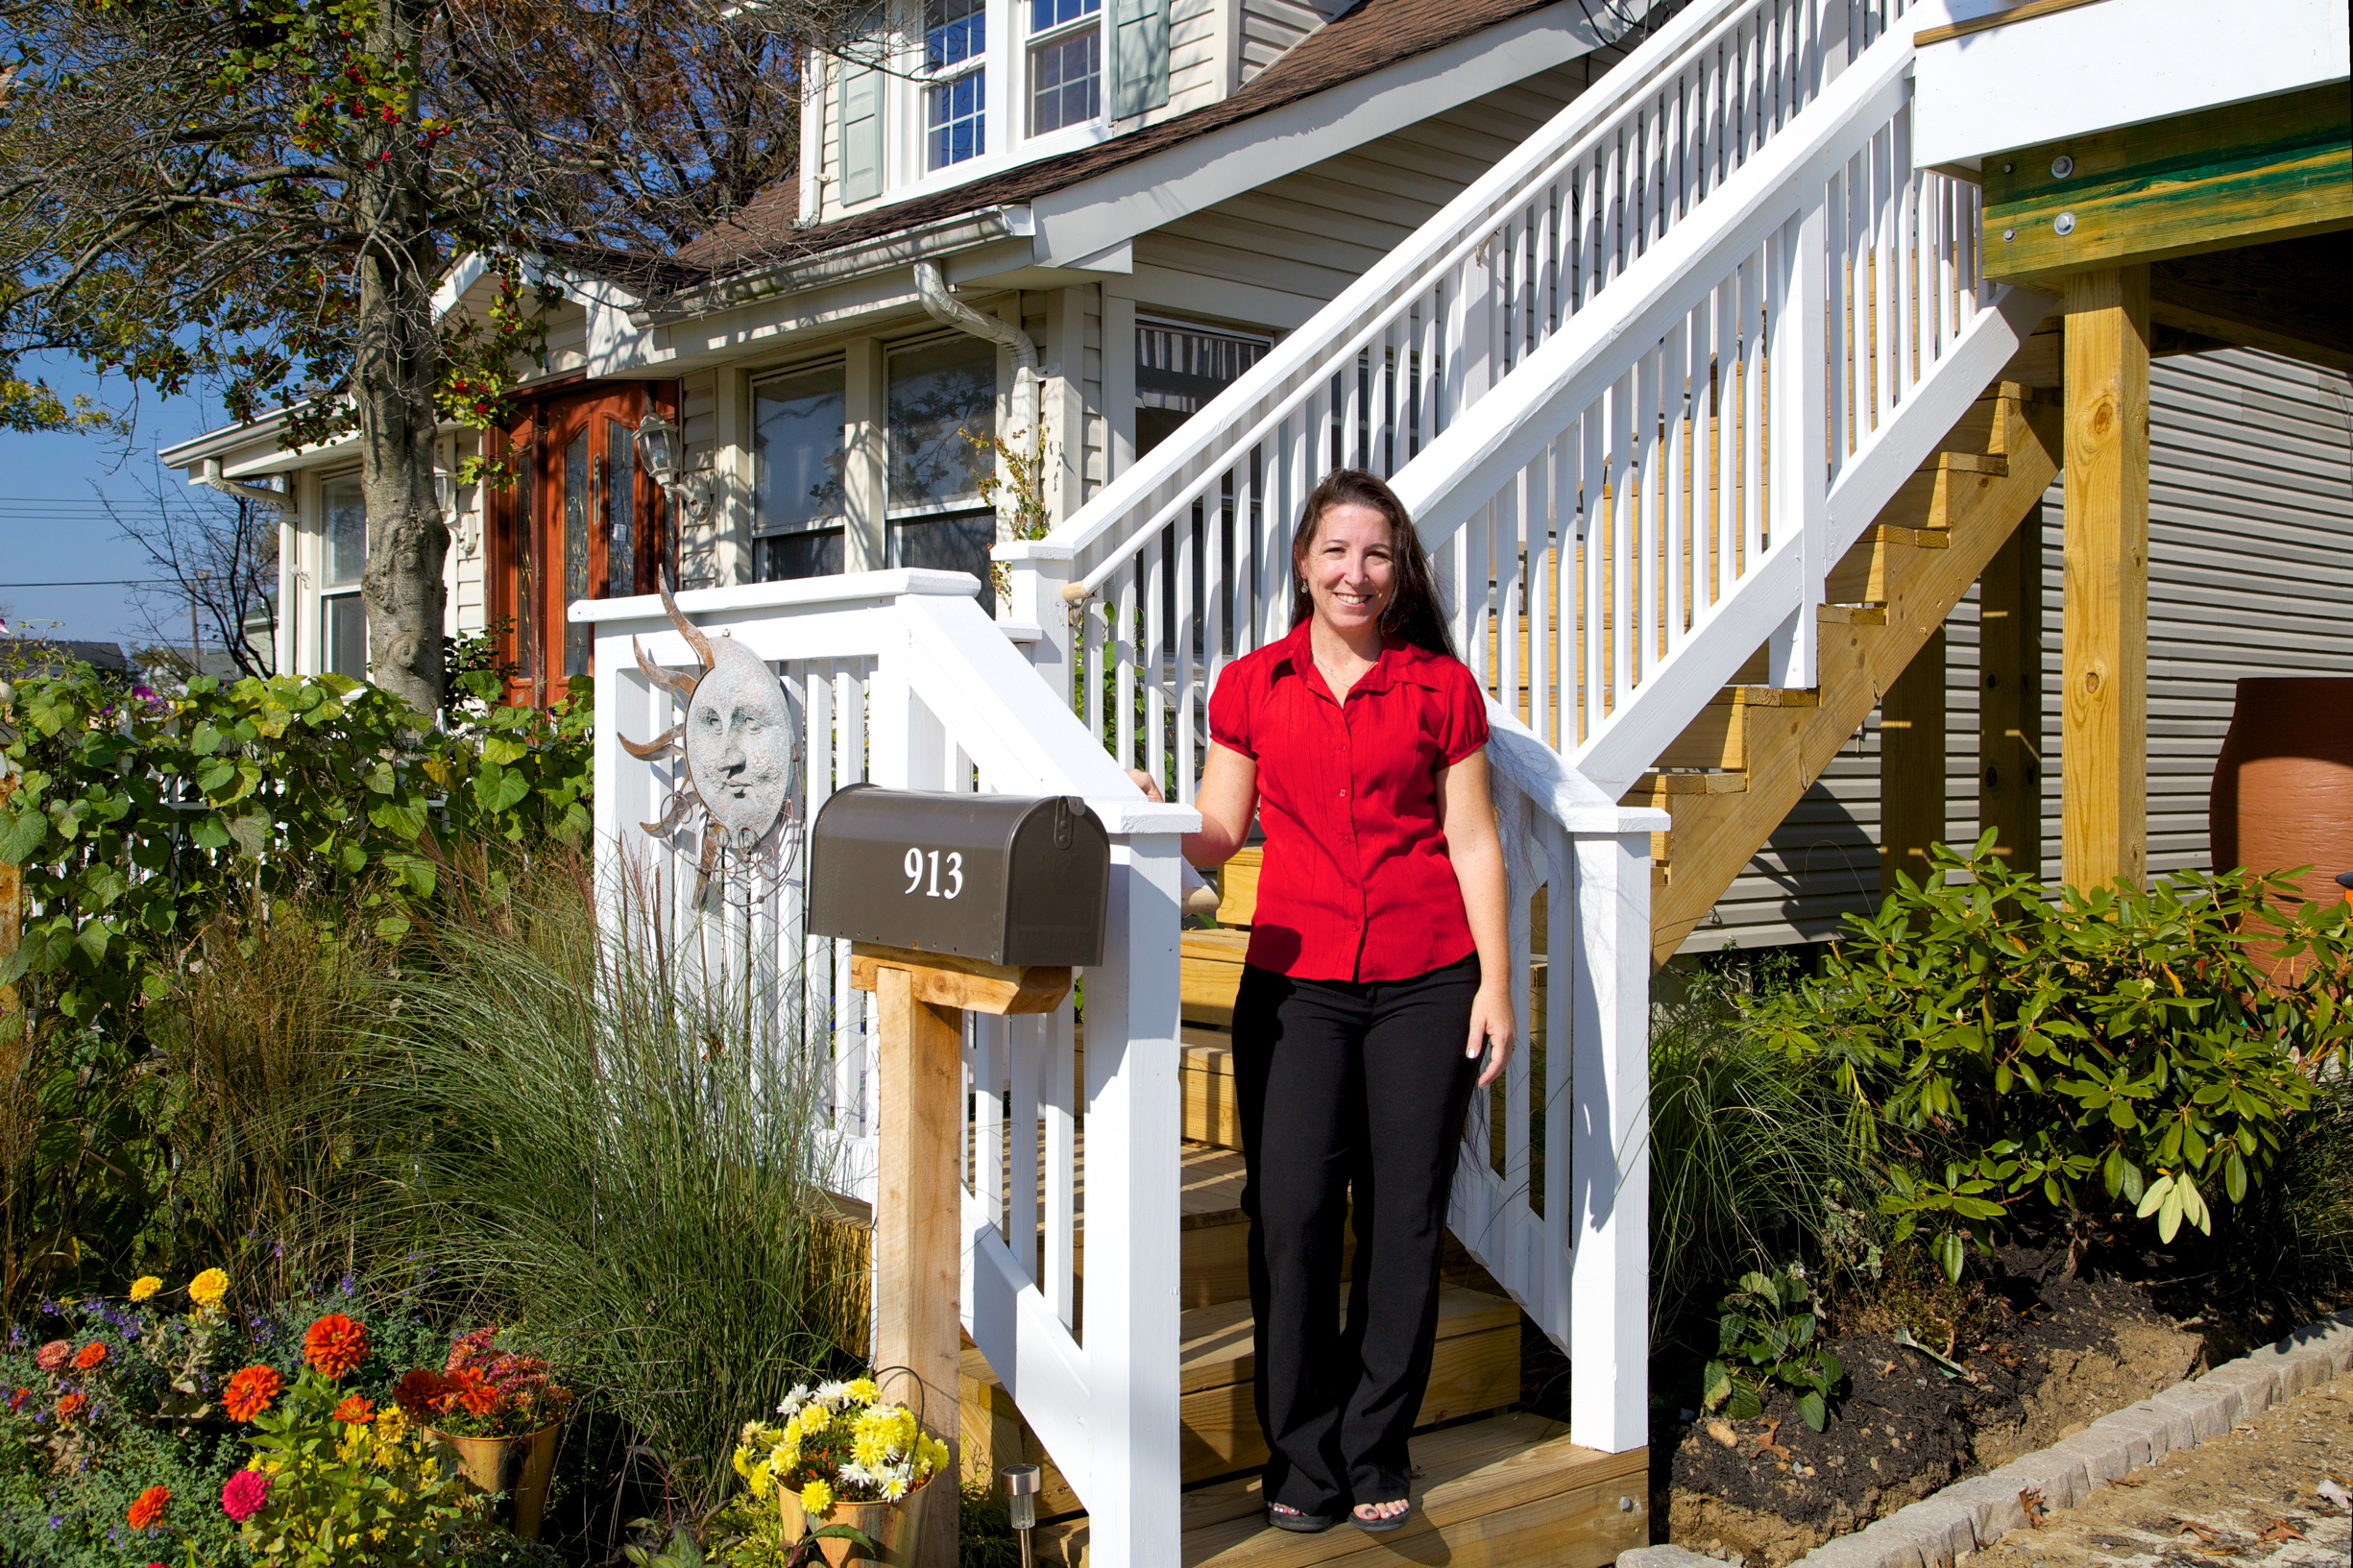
[{"x": 579, "y": 521}]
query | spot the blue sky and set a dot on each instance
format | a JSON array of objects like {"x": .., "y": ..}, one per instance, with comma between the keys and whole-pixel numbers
[{"x": 52, "y": 525}]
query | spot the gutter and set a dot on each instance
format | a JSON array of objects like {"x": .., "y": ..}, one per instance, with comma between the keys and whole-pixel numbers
[
  {"x": 886, "y": 253},
  {"x": 210, "y": 478}
]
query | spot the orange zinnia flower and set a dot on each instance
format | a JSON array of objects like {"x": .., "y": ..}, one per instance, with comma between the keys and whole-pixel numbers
[
  {"x": 251, "y": 1391},
  {"x": 335, "y": 1345},
  {"x": 90, "y": 1357},
  {"x": 71, "y": 1406},
  {"x": 422, "y": 1392},
  {"x": 354, "y": 1409},
  {"x": 475, "y": 1391},
  {"x": 149, "y": 1508}
]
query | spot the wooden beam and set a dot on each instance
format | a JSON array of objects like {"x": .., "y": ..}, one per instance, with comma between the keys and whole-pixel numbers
[
  {"x": 917, "y": 1226},
  {"x": 2272, "y": 169},
  {"x": 973, "y": 985},
  {"x": 2103, "y": 749},
  {"x": 2025, "y": 12},
  {"x": 2290, "y": 296},
  {"x": 1912, "y": 765},
  {"x": 2009, "y": 697}
]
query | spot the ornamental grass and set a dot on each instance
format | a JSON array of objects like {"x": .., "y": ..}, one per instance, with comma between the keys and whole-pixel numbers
[{"x": 614, "y": 1145}]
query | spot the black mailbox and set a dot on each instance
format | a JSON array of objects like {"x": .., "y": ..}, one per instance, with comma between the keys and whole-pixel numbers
[{"x": 1018, "y": 879}]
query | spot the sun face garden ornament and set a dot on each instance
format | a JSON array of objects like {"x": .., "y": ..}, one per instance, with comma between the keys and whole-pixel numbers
[{"x": 740, "y": 742}]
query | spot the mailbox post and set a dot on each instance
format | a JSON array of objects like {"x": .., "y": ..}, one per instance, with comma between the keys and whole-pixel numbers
[{"x": 954, "y": 903}]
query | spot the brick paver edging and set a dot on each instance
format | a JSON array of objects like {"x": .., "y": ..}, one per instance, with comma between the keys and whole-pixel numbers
[{"x": 1937, "y": 1530}]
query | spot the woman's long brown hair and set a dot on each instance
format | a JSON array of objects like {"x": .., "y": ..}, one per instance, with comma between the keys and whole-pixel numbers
[{"x": 1413, "y": 614}]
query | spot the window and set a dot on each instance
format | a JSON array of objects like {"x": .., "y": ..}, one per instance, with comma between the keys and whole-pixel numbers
[
  {"x": 955, "y": 41},
  {"x": 798, "y": 457},
  {"x": 1178, "y": 370},
  {"x": 342, "y": 629},
  {"x": 1065, "y": 63},
  {"x": 939, "y": 392}
]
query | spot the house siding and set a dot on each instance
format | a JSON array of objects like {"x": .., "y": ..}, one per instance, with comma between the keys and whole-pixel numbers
[
  {"x": 1270, "y": 28},
  {"x": 2250, "y": 569},
  {"x": 1198, "y": 53}
]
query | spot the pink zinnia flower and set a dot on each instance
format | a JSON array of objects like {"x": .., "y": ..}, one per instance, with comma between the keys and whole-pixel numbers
[{"x": 245, "y": 1495}]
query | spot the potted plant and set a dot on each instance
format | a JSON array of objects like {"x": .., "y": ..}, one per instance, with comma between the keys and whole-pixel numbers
[
  {"x": 499, "y": 1412},
  {"x": 843, "y": 1456}
]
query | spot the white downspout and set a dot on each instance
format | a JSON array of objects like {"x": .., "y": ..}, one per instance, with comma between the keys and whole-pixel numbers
[{"x": 933, "y": 289}]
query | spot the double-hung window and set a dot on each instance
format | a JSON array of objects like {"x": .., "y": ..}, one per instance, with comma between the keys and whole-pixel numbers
[
  {"x": 798, "y": 460},
  {"x": 956, "y": 95},
  {"x": 343, "y": 620},
  {"x": 1065, "y": 63}
]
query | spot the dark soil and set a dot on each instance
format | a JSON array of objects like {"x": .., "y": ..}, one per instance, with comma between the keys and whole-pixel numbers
[{"x": 2046, "y": 1356}]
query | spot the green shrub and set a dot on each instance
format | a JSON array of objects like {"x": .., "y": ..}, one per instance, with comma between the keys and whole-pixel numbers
[
  {"x": 2107, "y": 1052},
  {"x": 1767, "y": 1336}
]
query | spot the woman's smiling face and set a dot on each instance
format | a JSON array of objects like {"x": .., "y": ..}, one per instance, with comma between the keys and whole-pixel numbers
[{"x": 1350, "y": 570}]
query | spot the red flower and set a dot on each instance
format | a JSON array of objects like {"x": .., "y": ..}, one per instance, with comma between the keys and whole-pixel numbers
[
  {"x": 475, "y": 1391},
  {"x": 245, "y": 1494},
  {"x": 354, "y": 1411},
  {"x": 149, "y": 1508},
  {"x": 422, "y": 1393},
  {"x": 91, "y": 1356},
  {"x": 71, "y": 1406},
  {"x": 251, "y": 1391},
  {"x": 335, "y": 1345},
  {"x": 19, "y": 1399},
  {"x": 53, "y": 1356}
]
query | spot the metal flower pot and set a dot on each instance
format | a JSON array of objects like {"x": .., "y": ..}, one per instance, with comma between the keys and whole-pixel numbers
[
  {"x": 897, "y": 1528},
  {"x": 520, "y": 1466}
]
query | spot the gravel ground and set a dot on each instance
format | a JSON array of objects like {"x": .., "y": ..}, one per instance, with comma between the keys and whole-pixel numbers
[{"x": 2252, "y": 1498}]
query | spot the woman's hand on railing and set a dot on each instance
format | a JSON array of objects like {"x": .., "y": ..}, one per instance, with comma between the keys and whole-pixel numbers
[{"x": 1146, "y": 782}]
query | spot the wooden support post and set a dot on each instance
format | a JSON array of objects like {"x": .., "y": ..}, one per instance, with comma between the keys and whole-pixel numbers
[
  {"x": 918, "y": 1217},
  {"x": 1912, "y": 765},
  {"x": 2009, "y": 697},
  {"x": 919, "y": 1190},
  {"x": 2103, "y": 751}
]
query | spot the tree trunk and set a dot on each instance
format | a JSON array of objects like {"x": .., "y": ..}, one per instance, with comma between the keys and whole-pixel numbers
[{"x": 395, "y": 374}]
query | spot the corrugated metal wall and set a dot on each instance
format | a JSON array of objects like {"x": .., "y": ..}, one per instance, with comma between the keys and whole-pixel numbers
[{"x": 2250, "y": 573}]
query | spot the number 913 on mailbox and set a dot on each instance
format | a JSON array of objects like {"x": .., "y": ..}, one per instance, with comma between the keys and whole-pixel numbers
[{"x": 1004, "y": 878}]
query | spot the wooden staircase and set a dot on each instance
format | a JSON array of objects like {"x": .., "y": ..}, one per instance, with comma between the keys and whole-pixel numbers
[
  {"x": 1737, "y": 770},
  {"x": 1494, "y": 1485}
]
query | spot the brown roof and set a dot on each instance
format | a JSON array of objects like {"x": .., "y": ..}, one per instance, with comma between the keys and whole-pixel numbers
[{"x": 1366, "y": 36}]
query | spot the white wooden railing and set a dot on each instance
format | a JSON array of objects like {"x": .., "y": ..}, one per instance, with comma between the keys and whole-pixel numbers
[
  {"x": 900, "y": 678},
  {"x": 1640, "y": 386}
]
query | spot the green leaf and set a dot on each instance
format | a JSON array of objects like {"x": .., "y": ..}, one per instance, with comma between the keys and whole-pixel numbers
[
  {"x": 1949, "y": 1255},
  {"x": 1813, "y": 1412},
  {"x": 1715, "y": 1384},
  {"x": 499, "y": 790}
]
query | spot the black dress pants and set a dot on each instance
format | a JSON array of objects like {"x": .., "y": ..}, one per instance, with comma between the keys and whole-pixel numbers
[{"x": 1348, "y": 1085}]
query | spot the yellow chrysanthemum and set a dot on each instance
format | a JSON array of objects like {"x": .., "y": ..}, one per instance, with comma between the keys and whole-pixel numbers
[
  {"x": 816, "y": 1497},
  {"x": 864, "y": 1390},
  {"x": 930, "y": 1456},
  {"x": 208, "y": 1288},
  {"x": 145, "y": 1287},
  {"x": 870, "y": 1449},
  {"x": 743, "y": 1462},
  {"x": 760, "y": 1478}
]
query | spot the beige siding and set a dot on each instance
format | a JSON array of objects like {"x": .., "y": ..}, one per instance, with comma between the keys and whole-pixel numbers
[
  {"x": 2250, "y": 573},
  {"x": 1296, "y": 242},
  {"x": 702, "y": 547},
  {"x": 1270, "y": 28},
  {"x": 468, "y": 549},
  {"x": 567, "y": 338}
]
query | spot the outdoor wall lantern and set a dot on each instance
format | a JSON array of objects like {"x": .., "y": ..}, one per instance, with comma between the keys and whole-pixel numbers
[{"x": 658, "y": 448}]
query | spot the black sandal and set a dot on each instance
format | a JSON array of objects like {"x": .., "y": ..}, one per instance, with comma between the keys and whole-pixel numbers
[
  {"x": 1379, "y": 1526},
  {"x": 1298, "y": 1523}
]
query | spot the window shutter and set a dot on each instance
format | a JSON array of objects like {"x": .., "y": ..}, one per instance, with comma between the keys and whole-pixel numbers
[
  {"x": 1139, "y": 57},
  {"x": 862, "y": 133}
]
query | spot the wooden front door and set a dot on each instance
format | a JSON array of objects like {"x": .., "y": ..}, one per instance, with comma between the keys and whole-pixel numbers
[{"x": 581, "y": 521}]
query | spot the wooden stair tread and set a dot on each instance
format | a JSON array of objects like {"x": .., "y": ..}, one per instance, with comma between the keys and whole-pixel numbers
[
  {"x": 1468, "y": 1475},
  {"x": 1209, "y": 1185}
]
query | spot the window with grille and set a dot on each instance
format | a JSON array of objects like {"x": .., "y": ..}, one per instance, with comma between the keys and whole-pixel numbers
[
  {"x": 342, "y": 630},
  {"x": 955, "y": 101},
  {"x": 1065, "y": 63},
  {"x": 798, "y": 457},
  {"x": 1179, "y": 369}
]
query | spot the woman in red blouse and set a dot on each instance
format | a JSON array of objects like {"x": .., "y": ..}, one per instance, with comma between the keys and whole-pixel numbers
[{"x": 1378, "y": 979}]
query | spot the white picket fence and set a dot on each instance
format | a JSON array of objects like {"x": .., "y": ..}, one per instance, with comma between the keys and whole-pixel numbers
[{"x": 902, "y": 681}]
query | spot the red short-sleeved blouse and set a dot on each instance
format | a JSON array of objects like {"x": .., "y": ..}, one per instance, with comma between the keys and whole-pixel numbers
[{"x": 1357, "y": 885}]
